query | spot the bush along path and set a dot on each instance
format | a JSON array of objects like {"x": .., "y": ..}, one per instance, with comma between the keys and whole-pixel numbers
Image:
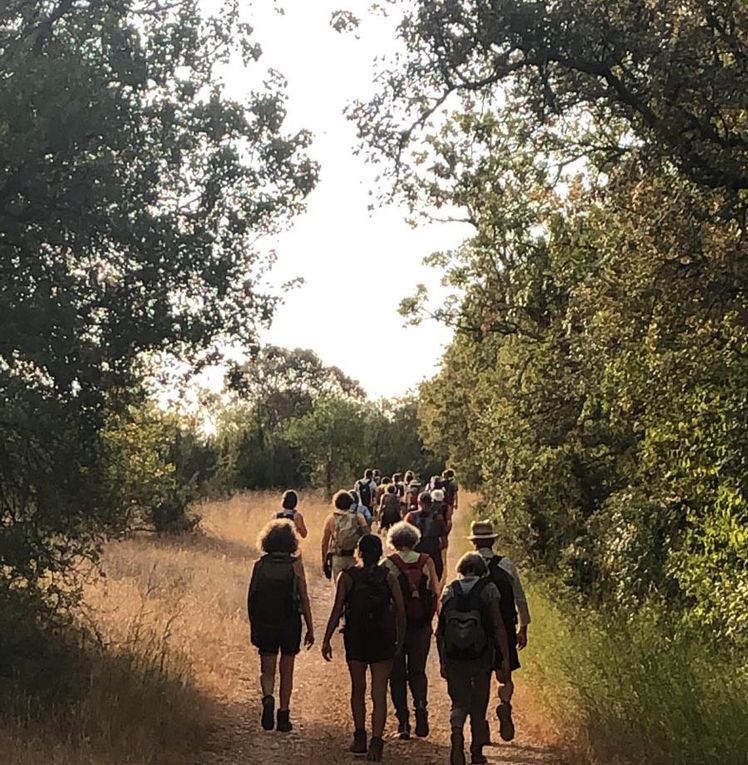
[{"x": 320, "y": 710}]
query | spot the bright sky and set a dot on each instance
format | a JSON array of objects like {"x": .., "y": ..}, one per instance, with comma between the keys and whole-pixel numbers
[{"x": 338, "y": 246}]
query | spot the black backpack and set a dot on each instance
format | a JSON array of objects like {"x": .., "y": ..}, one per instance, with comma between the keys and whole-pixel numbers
[
  {"x": 450, "y": 490},
  {"x": 363, "y": 487},
  {"x": 368, "y": 609},
  {"x": 286, "y": 515},
  {"x": 431, "y": 541},
  {"x": 273, "y": 596},
  {"x": 464, "y": 623},
  {"x": 503, "y": 581},
  {"x": 390, "y": 511}
]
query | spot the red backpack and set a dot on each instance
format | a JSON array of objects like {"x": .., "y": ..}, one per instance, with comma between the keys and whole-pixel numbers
[{"x": 419, "y": 600}]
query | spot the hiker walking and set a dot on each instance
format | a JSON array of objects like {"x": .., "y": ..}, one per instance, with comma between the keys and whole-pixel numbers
[
  {"x": 389, "y": 510},
  {"x": 451, "y": 489},
  {"x": 366, "y": 488},
  {"x": 289, "y": 512},
  {"x": 370, "y": 597},
  {"x": 416, "y": 575},
  {"x": 469, "y": 632},
  {"x": 503, "y": 573},
  {"x": 362, "y": 509},
  {"x": 342, "y": 530},
  {"x": 276, "y": 601},
  {"x": 433, "y": 531}
]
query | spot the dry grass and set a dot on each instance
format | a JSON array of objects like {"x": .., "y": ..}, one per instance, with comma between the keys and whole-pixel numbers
[{"x": 172, "y": 623}]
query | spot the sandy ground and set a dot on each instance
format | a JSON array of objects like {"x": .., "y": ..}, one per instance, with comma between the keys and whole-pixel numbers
[{"x": 321, "y": 714}]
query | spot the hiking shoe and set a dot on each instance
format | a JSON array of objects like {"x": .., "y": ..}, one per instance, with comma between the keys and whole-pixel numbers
[
  {"x": 376, "y": 745},
  {"x": 284, "y": 721},
  {"x": 422, "y": 722},
  {"x": 506, "y": 724},
  {"x": 476, "y": 755},
  {"x": 403, "y": 731},
  {"x": 359, "y": 743},
  {"x": 457, "y": 752},
  {"x": 268, "y": 713}
]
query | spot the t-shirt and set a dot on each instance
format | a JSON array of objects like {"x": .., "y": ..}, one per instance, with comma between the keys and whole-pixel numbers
[{"x": 520, "y": 599}]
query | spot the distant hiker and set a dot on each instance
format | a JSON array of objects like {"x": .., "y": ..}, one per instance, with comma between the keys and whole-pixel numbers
[
  {"x": 469, "y": 632},
  {"x": 342, "y": 530},
  {"x": 503, "y": 573},
  {"x": 390, "y": 511},
  {"x": 381, "y": 489},
  {"x": 377, "y": 477},
  {"x": 433, "y": 531},
  {"x": 276, "y": 600},
  {"x": 366, "y": 489},
  {"x": 372, "y": 601},
  {"x": 289, "y": 512},
  {"x": 441, "y": 508},
  {"x": 411, "y": 495},
  {"x": 419, "y": 583},
  {"x": 362, "y": 509},
  {"x": 451, "y": 490}
]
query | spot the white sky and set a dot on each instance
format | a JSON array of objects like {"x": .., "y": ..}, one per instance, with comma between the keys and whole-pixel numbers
[{"x": 338, "y": 246}]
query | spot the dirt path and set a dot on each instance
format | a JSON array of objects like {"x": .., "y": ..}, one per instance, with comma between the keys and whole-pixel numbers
[{"x": 321, "y": 715}]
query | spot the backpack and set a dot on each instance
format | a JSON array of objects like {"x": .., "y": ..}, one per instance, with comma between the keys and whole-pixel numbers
[
  {"x": 273, "y": 596},
  {"x": 390, "y": 511},
  {"x": 286, "y": 515},
  {"x": 346, "y": 534},
  {"x": 368, "y": 610},
  {"x": 431, "y": 541},
  {"x": 440, "y": 509},
  {"x": 414, "y": 582},
  {"x": 464, "y": 617},
  {"x": 363, "y": 487},
  {"x": 503, "y": 581}
]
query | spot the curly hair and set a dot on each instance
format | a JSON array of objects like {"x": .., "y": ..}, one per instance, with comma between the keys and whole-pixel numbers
[
  {"x": 278, "y": 536},
  {"x": 403, "y": 535},
  {"x": 342, "y": 500}
]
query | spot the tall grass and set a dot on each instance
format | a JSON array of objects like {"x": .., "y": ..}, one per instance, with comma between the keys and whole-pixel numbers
[
  {"x": 635, "y": 691},
  {"x": 151, "y": 667}
]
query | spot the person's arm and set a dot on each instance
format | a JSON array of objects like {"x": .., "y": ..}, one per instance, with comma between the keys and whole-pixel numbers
[
  {"x": 301, "y": 526},
  {"x": 341, "y": 590},
  {"x": 434, "y": 584},
  {"x": 397, "y": 596},
  {"x": 443, "y": 534},
  {"x": 326, "y": 536},
  {"x": 440, "y": 636},
  {"x": 500, "y": 636},
  {"x": 448, "y": 516},
  {"x": 306, "y": 607},
  {"x": 362, "y": 522},
  {"x": 249, "y": 594}
]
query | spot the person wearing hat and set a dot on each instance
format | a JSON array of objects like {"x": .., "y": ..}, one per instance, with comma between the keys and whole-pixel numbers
[{"x": 503, "y": 573}]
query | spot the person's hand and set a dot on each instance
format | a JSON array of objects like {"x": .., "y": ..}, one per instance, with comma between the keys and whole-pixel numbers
[
  {"x": 522, "y": 638},
  {"x": 309, "y": 638},
  {"x": 327, "y": 651}
]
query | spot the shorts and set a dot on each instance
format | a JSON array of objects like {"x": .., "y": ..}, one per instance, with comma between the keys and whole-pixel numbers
[
  {"x": 369, "y": 648},
  {"x": 269, "y": 639},
  {"x": 511, "y": 635}
]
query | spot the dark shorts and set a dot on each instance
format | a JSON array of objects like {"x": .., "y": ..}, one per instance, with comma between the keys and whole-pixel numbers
[
  {"x": 369, "y": 649},
  {"x": 511, "y": 634},
  {"x": 272, "y": 638}
]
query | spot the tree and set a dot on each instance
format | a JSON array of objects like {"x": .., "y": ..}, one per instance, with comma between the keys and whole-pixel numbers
[
  {"x": 131, "y": 194},
  {"x": 331, "y": 440}
]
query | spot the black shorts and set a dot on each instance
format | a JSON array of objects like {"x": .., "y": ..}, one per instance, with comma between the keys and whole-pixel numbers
[
  {"x": 369, "y": 648},
  {"x": 511, "y": 634},
  {"x": 271, "y": 638}
]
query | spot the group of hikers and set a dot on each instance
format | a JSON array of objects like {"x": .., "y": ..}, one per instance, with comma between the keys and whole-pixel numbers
[{"x": 388, "y": 605}]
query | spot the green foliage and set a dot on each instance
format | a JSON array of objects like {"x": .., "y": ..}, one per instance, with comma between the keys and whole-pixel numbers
[
  {"x": 597, "y": 384},
  {"x": 635, "y": 691},
  {"x": 132, "y": 192}
]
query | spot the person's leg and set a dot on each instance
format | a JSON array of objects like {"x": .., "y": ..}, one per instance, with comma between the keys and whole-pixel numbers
[
  {"x": 268, "y": 663},
  {"x": 420, "y": 646},
  {"x": 458, "y": 687},
  {"x": 286, "y": 680},
  {"x": 506, "y": 690},
  {"x": 357, "y": 670},
  {"x": 479, "y": 698},
  {"x": 380, "y": 674},
  {"x": 399, "y": 689}
]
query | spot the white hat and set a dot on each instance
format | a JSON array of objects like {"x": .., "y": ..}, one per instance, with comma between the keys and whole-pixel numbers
[{"x": 437, "y": 495}]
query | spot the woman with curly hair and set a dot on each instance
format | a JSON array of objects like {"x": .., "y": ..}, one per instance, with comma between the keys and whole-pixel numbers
[{"x": 276, "y": 601}]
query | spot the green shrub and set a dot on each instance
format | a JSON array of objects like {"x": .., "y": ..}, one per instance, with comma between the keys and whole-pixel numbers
[{"x": 636, "y": 690}]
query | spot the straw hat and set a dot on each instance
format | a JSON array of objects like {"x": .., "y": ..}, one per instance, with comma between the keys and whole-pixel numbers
[{"x": 482, "y": 530}]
